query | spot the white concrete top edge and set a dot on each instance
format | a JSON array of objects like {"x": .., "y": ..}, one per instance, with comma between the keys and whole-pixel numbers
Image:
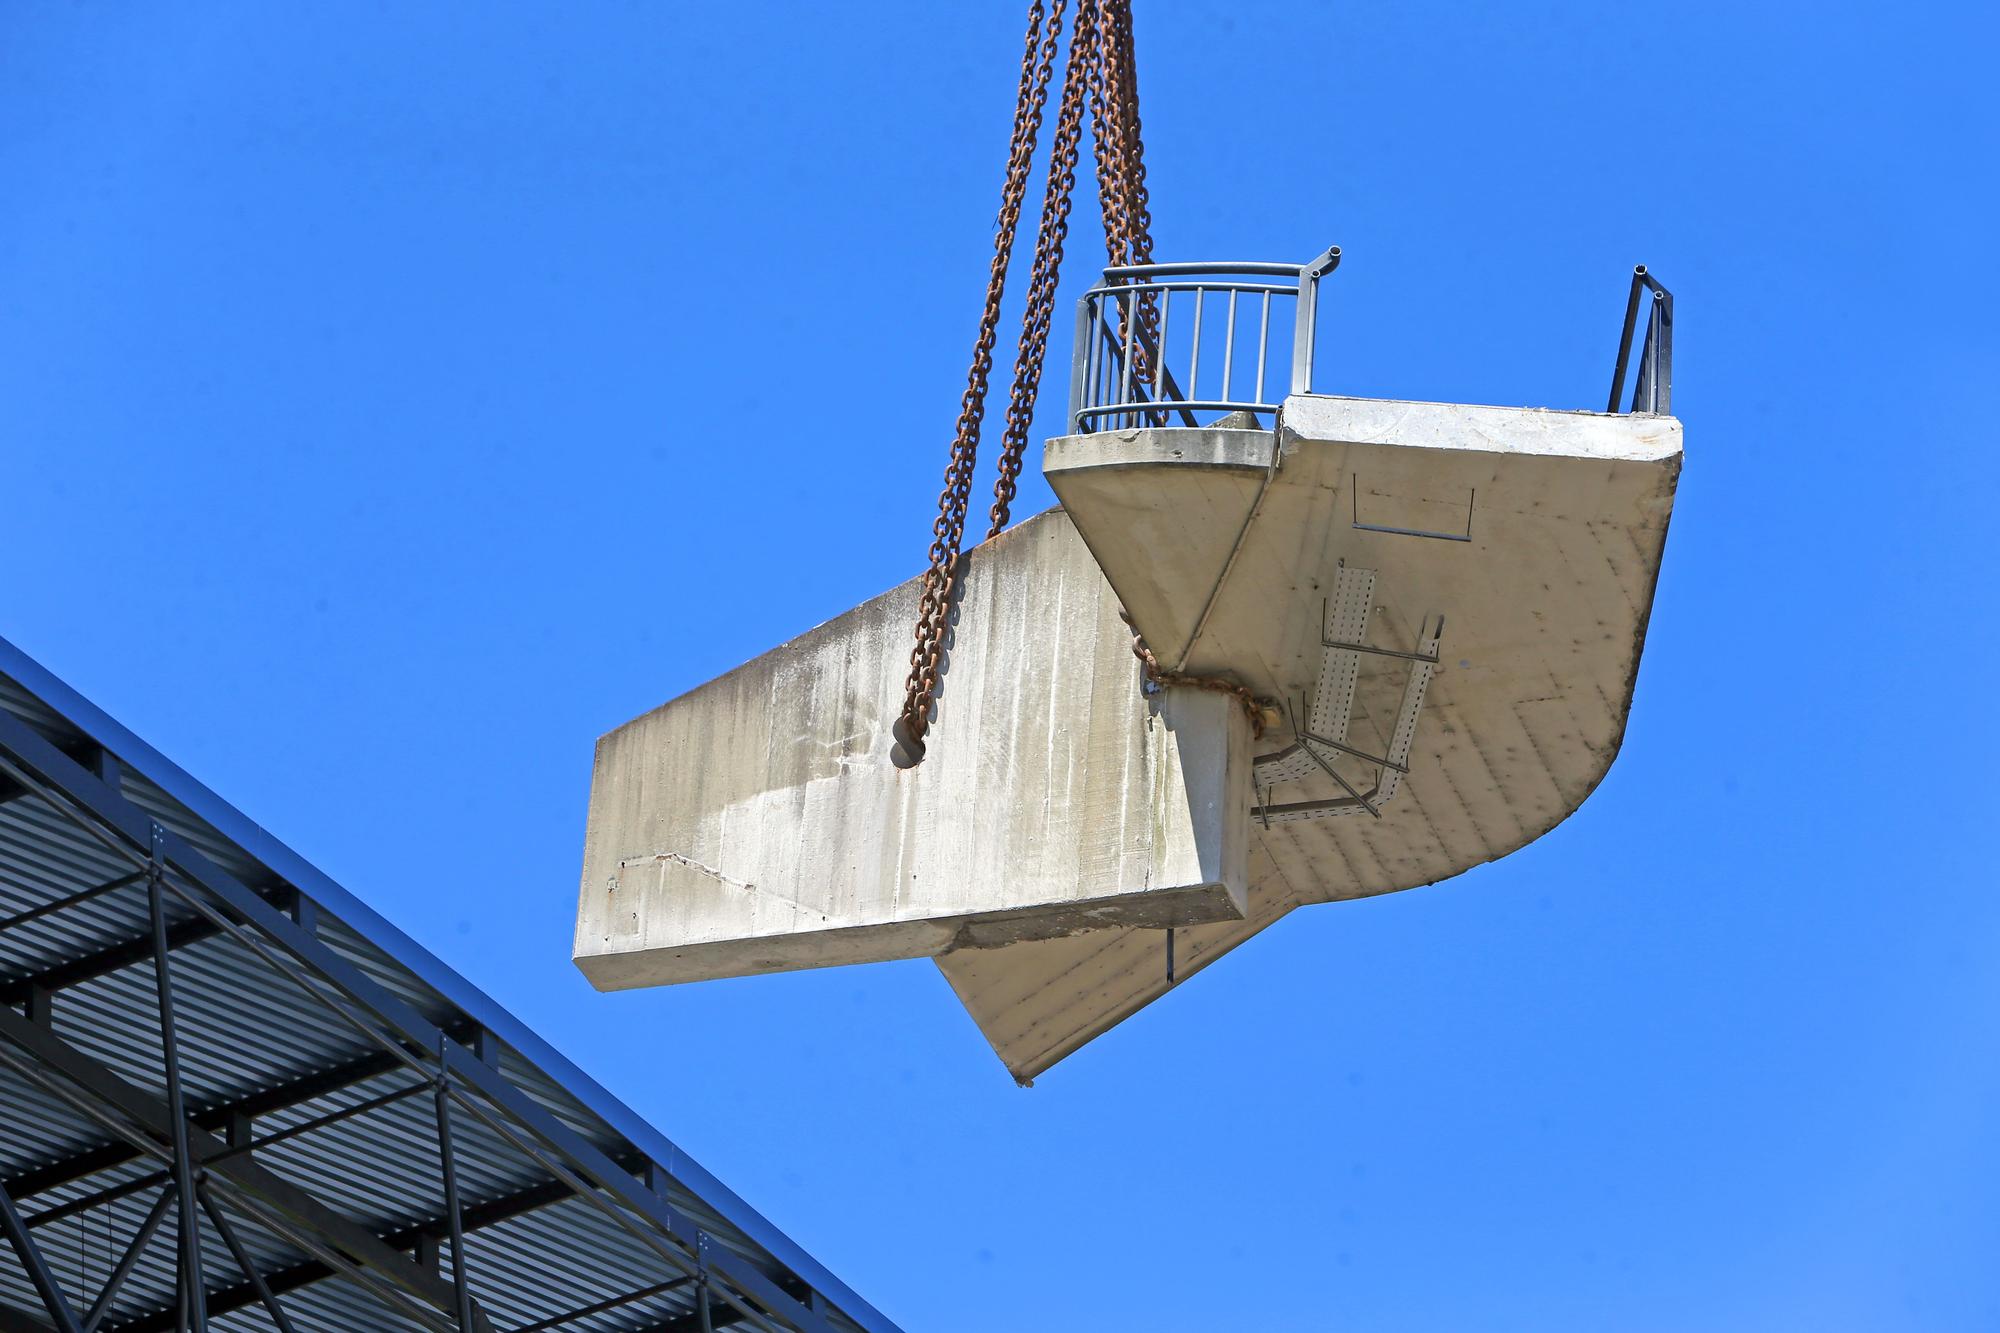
[
  {"x": 1616, "y": 437},
  {"x": 1210, "y": 446}
]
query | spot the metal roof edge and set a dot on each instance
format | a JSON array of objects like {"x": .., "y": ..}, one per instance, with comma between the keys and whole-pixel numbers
[{"x": 482, "y": 1008}]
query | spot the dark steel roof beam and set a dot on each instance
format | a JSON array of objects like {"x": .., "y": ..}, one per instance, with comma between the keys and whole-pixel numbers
[
  {"x": 238, "y": 1143},
  {"x": 476, "y": 1217},
  {"x": 283, "y": 1200},
  {"x": 54, "y": 905},
  {"x": 218, "y": 1117},
  {"x": 92, "y": 756},
  {"x": 677, "y": 1237},
  {"x": 721, "y": 1314},
  {"x": 128, "y": 952},
  {"x": 605, "y": 1305},
  {"x": 135, "y": 949}
]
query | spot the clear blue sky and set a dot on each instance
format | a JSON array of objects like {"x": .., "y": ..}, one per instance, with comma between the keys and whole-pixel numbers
[{"x": 395, "y": 397}]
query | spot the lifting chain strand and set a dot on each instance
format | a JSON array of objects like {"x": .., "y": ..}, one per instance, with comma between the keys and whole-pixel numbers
[
  {"x": 1158, "y": 675},
  {"x": 1098, "y": 72},
  {"x": 948, "y": 532},
  {"x": 1121, "y": 181},
  {"x": 1050, "y": 234},
  {"x": 1132, "y": 162}
]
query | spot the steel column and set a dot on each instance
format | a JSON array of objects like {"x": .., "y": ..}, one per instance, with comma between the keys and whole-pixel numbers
[
  {"x": 193, "y": 1295},
  {"x": 454, "y": 1218}
]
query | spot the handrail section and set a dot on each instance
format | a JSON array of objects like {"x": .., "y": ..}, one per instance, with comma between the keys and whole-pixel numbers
[
  {"x": 1653, "y": 388},
  {"x": 1144, "y": 334},
  {"x": 1171, "y": 344}
]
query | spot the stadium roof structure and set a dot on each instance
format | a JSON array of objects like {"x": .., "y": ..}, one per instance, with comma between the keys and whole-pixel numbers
[{"x": 217, "y": 1065}]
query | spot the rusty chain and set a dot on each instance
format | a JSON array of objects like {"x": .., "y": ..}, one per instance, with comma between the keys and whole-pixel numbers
[
  {"x": 948, "y": 532},
  {"x": 1121, "y": 179},
  {"x": 1159, "y": 675},
  {"x": 1123, "y": 81},
  {"x": 1050, "y": 234},
  {"x": 1098, "y": 72}
]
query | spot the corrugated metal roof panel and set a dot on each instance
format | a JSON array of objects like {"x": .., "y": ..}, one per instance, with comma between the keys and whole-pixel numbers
[{"x": 315, "y": 1078}]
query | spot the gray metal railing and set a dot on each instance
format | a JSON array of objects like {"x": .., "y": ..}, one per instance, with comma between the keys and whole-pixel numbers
[
  {"x": 1148, "y": 352},
  {"x": 1653, "y": 388}
]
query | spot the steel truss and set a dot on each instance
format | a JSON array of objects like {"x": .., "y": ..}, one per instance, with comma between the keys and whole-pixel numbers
[{"x": 204, "y": 1164}]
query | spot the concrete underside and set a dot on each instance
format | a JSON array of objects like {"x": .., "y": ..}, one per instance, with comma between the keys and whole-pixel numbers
[
  {"x": 756, "y": 824},
  {"x": 1536, "y": 534}
]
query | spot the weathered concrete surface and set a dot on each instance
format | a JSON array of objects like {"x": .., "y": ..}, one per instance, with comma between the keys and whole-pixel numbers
[
  {"x": 1545, "y": 536},
  {"x": 756, "y": 824}
]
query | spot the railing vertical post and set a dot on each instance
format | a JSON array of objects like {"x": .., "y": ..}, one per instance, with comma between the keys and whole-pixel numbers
[
  {"x": 1653, "y": 387},
  {"x": 1079, "y": 363},
  {"x": 1306, "y": 325},
  {"x": 1642, "y": 383},
  {"x": 1661, "y": 336},
  {"x": 1263, "y": 344},
  {"x": 1192, "y": 390},
  {"x": 1625, "y": 338},
  {"x": 1229, "y": 346},
  {"x": 1101, "y": 373},
  {"x": 1125, "y": 313},
  {"x": 1302, "y": 333}
]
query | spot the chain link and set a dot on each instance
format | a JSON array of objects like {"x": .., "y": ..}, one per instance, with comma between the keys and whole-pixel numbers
[
  {"x": 1121, "y": 182},
  {"x": 1098, "y": 72},
  {"x": 1051, "y": 232},
  {"x": 1159, "y": 676},
  {"x": 948, "y": 531}
]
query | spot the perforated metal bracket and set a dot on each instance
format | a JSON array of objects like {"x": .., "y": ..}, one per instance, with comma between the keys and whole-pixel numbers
[{"x": 1322, "y": 736}]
